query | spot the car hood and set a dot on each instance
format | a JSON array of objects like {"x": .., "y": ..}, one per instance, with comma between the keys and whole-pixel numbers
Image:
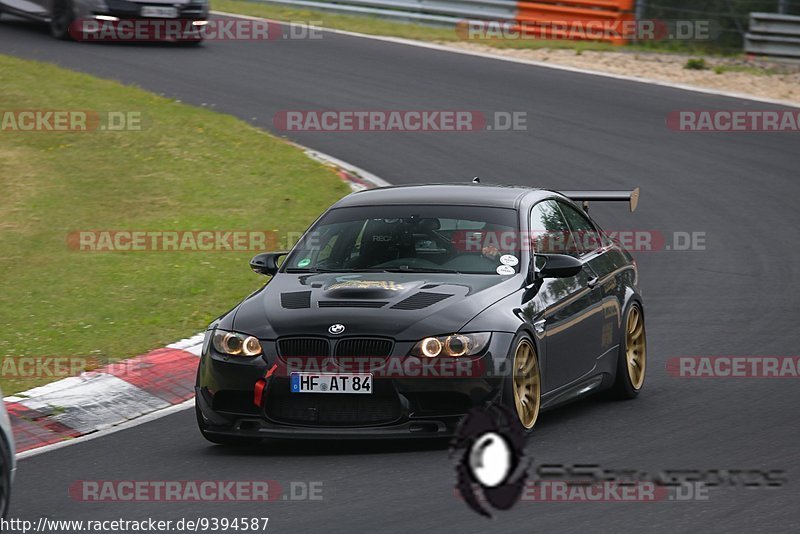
[{"x": 403, "y": 306}]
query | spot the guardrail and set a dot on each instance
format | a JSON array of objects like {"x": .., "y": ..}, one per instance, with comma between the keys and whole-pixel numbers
[
  {"x": 773, "y": 35},
  {"x": 545, "y": 19}
]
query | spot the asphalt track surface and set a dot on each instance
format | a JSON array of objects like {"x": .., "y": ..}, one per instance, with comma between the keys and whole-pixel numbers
[{"x": 738, "y": 297}]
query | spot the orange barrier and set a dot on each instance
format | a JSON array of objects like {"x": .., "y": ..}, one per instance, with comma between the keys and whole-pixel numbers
[{"x": 611, "y": 21}]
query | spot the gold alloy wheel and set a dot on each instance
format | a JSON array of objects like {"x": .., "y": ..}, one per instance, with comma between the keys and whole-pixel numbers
[
  {"x": 526, "y": 384},
  {"x": 636, "y": 347}
]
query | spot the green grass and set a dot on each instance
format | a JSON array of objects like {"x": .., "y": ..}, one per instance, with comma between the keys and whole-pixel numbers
[
  {"x": 187, "y": 169},
  {"x": 755, "y": 71},
  {"x": 696, "y": 64},
  {"x": 379, "y": 26}
]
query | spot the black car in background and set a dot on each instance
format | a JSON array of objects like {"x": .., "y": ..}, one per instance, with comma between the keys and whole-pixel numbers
[
  {"x": 401, "y": 308},
  {"x": 116, "y": 20}
]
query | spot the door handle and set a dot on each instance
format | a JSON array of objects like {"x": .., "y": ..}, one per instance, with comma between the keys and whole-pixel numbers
[{"x": 592, "y": 283}]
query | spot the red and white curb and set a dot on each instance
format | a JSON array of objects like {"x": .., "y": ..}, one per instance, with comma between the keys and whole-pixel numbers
[
  {"x": 127, "y": 392},
  {"x": 105, "y": 397},
  {"x": 357, "y": 178}
]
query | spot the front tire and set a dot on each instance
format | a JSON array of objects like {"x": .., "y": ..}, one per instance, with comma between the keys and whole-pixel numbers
[
  {"x": 61, "y": 19},
  {"x": 632, "y": 359},
  {"x": 522, "y": 392}
]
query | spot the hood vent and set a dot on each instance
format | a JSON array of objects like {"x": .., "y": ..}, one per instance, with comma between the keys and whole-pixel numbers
[
  {"x": 420, "y": 300},
  {"x": 297, "y": 300},
  {"x": 429, "y": 286},
  {"x": 352, "y": 304}
]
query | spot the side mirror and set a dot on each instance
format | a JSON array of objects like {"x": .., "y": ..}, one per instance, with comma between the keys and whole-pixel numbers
[
  {"x": 266, "y": 263},
  {"x": 559, "y": 266}
]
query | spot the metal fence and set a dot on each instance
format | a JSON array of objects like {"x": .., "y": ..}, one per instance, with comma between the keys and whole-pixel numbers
[
  {"x": 773, "y": 35},
  {"x": 730, "y": 18},
  {"x": 543, "y": 18},
  {"x": 436, "y": 12}
]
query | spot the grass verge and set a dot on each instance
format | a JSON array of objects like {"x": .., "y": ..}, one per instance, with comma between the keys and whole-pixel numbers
[{"x": 187, "y": 169}]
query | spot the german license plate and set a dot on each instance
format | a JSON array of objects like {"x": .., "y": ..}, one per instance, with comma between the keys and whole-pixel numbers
[
  {"x": 331, "y": 383},
  {"x": 159, "y": 12}
]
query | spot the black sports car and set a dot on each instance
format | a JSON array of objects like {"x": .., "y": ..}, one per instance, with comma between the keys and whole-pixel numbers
[{"x": 401, "y": 308}]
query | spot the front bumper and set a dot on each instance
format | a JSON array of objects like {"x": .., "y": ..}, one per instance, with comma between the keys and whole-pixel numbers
[
  {"x": 399, "y": 406},
  {"x": 122, "y": 21}
]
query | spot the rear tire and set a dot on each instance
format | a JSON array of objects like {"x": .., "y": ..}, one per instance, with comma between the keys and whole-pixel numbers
[
  {"x": 632, "y": 358},
  {"x": 522, "y": 390},
  {"x": 221, "y": 439},
  {"x": 61, "y": 19}
]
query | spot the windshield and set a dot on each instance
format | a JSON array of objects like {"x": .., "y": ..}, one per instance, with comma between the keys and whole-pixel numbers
[{"x": 407, "y": 239}]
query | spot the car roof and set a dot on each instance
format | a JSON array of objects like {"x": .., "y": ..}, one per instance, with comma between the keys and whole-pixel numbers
[{"x": 473, "y": 194}]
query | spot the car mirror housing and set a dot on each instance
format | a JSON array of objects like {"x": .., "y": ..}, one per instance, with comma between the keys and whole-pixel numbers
[
  {"x": 559, "y": 266},
  {"x": 266, "y": 263}
]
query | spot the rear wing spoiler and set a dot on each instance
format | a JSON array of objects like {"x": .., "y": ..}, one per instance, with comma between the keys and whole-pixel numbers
[{"x": 632, "y": 197}]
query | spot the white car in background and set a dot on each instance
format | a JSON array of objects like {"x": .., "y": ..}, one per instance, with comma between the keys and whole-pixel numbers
[{"x": 8, "y": 461}]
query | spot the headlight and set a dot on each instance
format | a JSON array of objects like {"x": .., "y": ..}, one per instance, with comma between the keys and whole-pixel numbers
[
  {"x": 235, "y": 344},
  {"x": 454, "y": 346}
]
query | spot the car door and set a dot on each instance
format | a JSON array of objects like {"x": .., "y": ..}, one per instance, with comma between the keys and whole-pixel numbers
[
  {"x": 570, "y": 320},
  {"x": 591, "y": 242}
]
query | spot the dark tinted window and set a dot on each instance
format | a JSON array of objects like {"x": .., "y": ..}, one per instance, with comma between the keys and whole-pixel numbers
[
  {"x": 466, "y": 239},
  {"x": 550, "y": 233},
  {"x": 583, "y": 231}
]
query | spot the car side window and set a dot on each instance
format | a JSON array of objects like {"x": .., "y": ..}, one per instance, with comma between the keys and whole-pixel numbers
[
  {"x": 586, "y": 236},
  {"x": 550, "y": 233}
]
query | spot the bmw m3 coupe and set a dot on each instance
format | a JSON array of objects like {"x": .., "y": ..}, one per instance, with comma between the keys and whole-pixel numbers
[{"x": 402, "y": 308}]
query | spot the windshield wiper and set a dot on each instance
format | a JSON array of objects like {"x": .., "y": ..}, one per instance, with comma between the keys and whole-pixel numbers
[
  {"x": 418, "y": 270},
  {"x": 375, "y": 270},
  {"x": 321, "y": 270}
]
